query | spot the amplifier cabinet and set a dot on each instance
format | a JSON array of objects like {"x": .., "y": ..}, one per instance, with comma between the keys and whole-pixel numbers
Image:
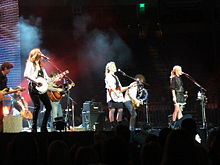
[
  {"x": 93, "y": 121},
  {"x": 12, "y": 124},
  {"x": 90, "y": 106}
]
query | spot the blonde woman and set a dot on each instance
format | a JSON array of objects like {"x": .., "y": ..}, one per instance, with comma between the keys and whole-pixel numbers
[
  {"x": 114, "y": 94},
  {"x": 34, "y": 71},
  {"x": 177, "y": 91}
]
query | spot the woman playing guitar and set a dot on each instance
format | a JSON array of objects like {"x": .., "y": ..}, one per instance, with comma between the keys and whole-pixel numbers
[
  {"x": 114, "y": 94},
  {"x": 33, "y": 70}
]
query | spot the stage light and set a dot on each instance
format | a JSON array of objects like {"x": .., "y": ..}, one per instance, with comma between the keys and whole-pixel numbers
[{"x": 141, "y": 7}]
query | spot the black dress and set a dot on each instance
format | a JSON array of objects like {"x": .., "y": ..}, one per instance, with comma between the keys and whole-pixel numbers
[{"x": 177, "y": 85}]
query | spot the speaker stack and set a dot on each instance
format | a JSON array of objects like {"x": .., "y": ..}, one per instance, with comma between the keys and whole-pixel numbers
[
  {"x": 12, "y": 124},
  {"x": 93, "y": 116}
]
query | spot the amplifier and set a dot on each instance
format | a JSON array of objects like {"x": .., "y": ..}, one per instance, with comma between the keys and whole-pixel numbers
[
  {"x": 93, "y": 120},
  {"x": 12, "y": 124},
  {"x": 90, "y": 106}
]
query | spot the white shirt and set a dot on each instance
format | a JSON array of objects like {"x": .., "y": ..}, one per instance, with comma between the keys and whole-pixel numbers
[
  {"x": 131, "y": 93},
  {"x": 31, "y": 72},
  {"x": 110, "y": 81}
]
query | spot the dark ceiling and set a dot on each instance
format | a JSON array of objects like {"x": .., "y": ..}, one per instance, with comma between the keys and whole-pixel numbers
[{"x": 167, "y": 33}]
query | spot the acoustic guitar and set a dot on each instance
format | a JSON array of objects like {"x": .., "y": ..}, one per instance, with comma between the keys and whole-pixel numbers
[
  {"x": 56, "y": 96},
  {"x": 25, "y": 113}
]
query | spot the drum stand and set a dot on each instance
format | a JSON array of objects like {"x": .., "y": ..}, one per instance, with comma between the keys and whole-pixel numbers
[
  {"x": 148, "y": 123},
  {"x": 147, "y": 113}
]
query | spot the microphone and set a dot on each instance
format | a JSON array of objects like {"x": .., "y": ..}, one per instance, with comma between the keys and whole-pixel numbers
[
  {"x": 123, "y": 73},
  {"x": 47, "y": 58}
]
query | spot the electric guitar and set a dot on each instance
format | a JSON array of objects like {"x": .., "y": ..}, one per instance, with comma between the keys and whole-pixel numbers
[
  {"x": 3, "y": 92},
  {"x": 118, "y": 96},
  {"x": 136, "y": 103},
  {"x": 42, "y": 83}
]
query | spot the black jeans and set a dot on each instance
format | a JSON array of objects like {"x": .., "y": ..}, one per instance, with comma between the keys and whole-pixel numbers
[{"x": 37, "y": 99}]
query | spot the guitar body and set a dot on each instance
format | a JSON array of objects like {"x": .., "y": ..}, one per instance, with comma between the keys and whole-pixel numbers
[
  {"x": 141, "y": 97},
  {"x": 136, "y": 104},
  {"x": 54, "y": 96},
  {"x": 119, "y": 97},
  {"x": 43, "y": 88},
  {"x": 26, "y": 114}
]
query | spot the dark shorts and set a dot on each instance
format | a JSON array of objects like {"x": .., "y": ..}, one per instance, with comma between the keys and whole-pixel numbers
[{"x": 112, "y": 104}]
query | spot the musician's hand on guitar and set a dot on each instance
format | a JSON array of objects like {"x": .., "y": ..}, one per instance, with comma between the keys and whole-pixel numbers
[
  {"x": 60, "y": 90},
  {"x": 134, "y": 84},
  {"x": 39, "y": 84}
]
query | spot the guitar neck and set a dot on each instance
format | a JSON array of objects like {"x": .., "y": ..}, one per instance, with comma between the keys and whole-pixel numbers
[
  {"x": 60, "y": 75},
  {"x": 10, "y": 92}
]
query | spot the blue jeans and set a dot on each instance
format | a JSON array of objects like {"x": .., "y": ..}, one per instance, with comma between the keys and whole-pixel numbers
[
  {"x": 56, "y": 112},
  {"x": 133, "y": 114}
]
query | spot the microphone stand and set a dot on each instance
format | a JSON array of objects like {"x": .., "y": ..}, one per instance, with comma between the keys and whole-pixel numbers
[
  {"x": 202, "y": 98},
  {"x": 124, "y": 74}
]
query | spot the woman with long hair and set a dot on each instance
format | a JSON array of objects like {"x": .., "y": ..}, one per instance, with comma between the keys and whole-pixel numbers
[
  {"x": 35, "y": 71},
  {"x": 177, "y": 90}
]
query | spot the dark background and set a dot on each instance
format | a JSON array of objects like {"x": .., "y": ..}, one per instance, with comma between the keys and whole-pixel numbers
[{"x": 82, "y": 36}]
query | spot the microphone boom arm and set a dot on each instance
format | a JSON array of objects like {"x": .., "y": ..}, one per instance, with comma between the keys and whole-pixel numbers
[
  {"x": 124, "y": 74},
  {"x": 196, "y": 83}
]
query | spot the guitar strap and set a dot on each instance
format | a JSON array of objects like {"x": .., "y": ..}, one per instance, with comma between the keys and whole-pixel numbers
[
  {"x": 117, "y": 81},
  {"x": 117, "y": 85},
  {"x": 40, "y": 72},
  {"x": 33, "y": 85}
]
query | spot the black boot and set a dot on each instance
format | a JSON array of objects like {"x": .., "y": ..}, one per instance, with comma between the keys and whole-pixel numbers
[
  {"x": 45, "y": 119},
  {"x": 34, "y": 123},
  {"x": 44, "y": 125},
  {"x": 33, "y": 129},
  {"x": 43, "y": 129},
  {"x": 113, "y": 125}
]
